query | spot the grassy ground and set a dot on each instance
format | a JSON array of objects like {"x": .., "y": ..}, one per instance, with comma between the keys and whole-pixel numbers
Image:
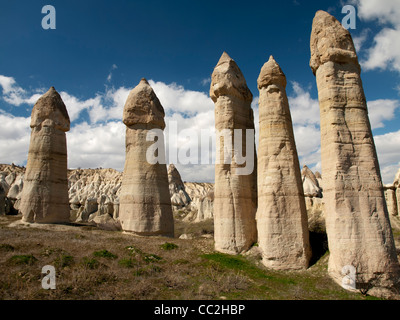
[{"x": 97, "y": 264}]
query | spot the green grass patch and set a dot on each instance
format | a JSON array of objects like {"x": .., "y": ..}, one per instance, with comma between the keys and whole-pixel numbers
[
  {"x": 127, "y": 262},
  {"x": 105, "y": 254},
  {"x": 133, "y": 250},
  {"x": 64, "y": 260},
  {"x": 151, "y": 258},
  {"x": 6, "y": 247},
  {"x": 22, "y": 260},
  {"x": 90, "y": 263},
  {"x": 169, "y": 246},
  {"x": 237, "y": 263}
]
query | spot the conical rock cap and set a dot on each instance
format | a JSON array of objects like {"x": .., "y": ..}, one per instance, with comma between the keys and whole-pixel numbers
[
  {"x": 271, "y": 73},
  {"x": 228, "y": 79},
  {"x": 143, "y": 107},
  {"x": 50, "y": 111}
]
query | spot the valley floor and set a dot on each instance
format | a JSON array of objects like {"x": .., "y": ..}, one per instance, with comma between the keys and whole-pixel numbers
[{"x": 93, "y": 264}]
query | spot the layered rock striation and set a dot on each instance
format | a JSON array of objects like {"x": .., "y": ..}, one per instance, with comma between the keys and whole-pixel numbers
[
  {"x": 44, "y": 198},
  {"x": 357, "y": 222},
  {"x": 281, "y": 216},
  {"x": 235, "y": 195},
  {"x": 145, "y": 203}
]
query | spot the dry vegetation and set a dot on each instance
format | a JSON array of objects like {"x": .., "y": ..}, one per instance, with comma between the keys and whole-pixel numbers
[{"x": 97, "y": 264}]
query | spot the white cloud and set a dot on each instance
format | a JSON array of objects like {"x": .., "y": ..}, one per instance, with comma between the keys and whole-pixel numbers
[
  {"x": 385, "y": 54},
  {"x": 385, "y": 51},
  {"x": 360, "y": 39},
  {"x": 303, "y": 108},
  {"x": 101, "y": 142},
  {"x": 116, "y": 98},
  {"x": 175, "y": 98},
  {"x": 387, "y": 11},
  {"x": 109, "y": 77},
  {"x": 14, "y": 94},
  {"x": 382, "y": 110},
  {"x": 76, "y": 106},
  {"x": 256, "y": 112},
  {"x": 206, "y": 82},
  {"x": 308, "y": 140},
  {"x": 8, "y": 84},
  {"x": 387, "y": 146},
  {"x": 14, "y": 139},
  {"x": 97, "y": 145}
]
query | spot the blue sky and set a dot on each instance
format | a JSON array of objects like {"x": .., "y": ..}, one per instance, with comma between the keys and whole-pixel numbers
[{"x": 101, "y": 49}]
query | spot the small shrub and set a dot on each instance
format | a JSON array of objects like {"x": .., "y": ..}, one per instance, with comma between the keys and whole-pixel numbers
[
  {"x": 147, "y": 270},
  {"x": 151, "y": 258},
  {"x": 155, "y": 269},
  {"x": 127, "y": 263},
  {"x": 90, "y": 263},
  {"x": 140, "y": 272},
  {"x": 105, "y": 254},
  {"x": 169, "y": 246},
  {"x": 6, "y": 247},
  {"x": 134, "y": 250},
  {"x": 236, "y": 263},
  {"x": 23, "y": 259},
  {"x": 64, "y": 260}
]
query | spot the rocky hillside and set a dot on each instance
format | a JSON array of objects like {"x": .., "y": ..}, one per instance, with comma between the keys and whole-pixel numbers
[
  {"x": 94, "y": 195},
  {"x": 95, "y": 192}
]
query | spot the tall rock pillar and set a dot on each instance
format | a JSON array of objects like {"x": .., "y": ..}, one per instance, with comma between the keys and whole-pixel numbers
[
  {"x": 44, "y": 198},
  {"x": 235, "y": 201},
  {"x": 281, "y": 216},
  {"x": 145, "y": 203},
  {"x": 359, "y": 233}
]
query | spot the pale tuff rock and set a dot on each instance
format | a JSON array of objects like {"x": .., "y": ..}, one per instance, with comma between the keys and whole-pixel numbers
[
  {"x": 392, "y": 196},
  {"x": 44, "y": 198},
  {"x": 391, "y": 201},
  {"x": 94, "y": 191},
  {"x": 310, "y": 183},
  {"x": 235, "y": 196},
  {"x": 398, "y": 199},
  {"x": 281, "y": 216},
  {"x": 196, "y": 199},
  {"x": 145, "y": 204},
  {"x": 11, "y": 180},
  {"x": 319, "y": 179},
  {"x": 201, "y": 206},
  {"x": 204, "y": 206},
  {"x": 396, "y": 184},
  {"x": 357, "y": 221},
  {"x": 179, "y": 196},
  {"x": 314, "y": 199},
  {"x": 15, "y": 188}
]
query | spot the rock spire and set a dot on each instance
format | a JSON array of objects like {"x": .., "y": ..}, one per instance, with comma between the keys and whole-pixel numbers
[
  {"x": 44, "y": 198},
  {"x": 281, "y": 216},
  {"x": 235, "y": 194},
  {"x": 145, "y": 204},
  {"x": 357, "y": 222}
]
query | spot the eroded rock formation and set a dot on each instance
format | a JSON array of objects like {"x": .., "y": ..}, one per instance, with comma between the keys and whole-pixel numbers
[
  {"x": 235, "y": 195},
  {"x": 44, "y": 198},
  {"x": 310, "y": 183},
  {"x": 281, "y": 215},
  {"x": 145, "y": 203},
  {"x": 94, "y": 192},
  {"x": 179, "y": 196},
  {"x": 357, "y": 221}
]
